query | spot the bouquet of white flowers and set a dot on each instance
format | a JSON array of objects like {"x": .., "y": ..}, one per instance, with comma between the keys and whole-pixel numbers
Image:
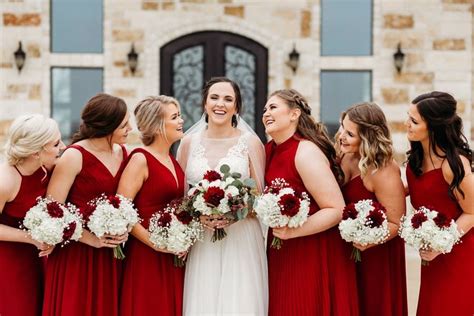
[
  {"x": 175, "y": 230},
  {"x": 112, "y": 215},
  {"x": 223, "y": 194},
  {"x": 429, "y": 230},
  {"x": 280, "y": 205},
  {"x": 364, "y": 222},
  {"x": 53, "y": 223}
]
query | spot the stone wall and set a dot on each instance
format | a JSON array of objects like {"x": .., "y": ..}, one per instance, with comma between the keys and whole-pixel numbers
[{"x": 437, "y": 37}]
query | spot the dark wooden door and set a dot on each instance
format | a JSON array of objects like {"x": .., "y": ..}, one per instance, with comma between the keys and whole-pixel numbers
[{"x": 187, "y": 62}]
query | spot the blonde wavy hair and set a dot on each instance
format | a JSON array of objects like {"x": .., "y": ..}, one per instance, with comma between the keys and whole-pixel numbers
[
  {"x": 376, "y": 148},
  {"x": 149, "y": 115},
  {"x": 28, "y": 135}
]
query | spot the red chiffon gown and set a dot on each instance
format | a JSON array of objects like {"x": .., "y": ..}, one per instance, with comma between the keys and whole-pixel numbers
[
  {"x": 381, "y": 277},
  {"x": 309, "y": 275},
  {"x": 152, "y": 285},
  {"x": 447, "y": 282},
  {"x": 21, "y": 276},
  {"x": 80, "y": 279}
]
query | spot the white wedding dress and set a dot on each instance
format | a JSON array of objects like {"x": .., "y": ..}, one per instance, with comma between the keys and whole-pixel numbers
[{"x": 229, "y": 276}]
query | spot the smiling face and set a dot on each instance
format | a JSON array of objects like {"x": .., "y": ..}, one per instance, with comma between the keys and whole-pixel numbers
[
  {"x": 120, "y": 134},
  {"x": 52, "y": 150},
  {"x": 220, "y": 104},
  {"x": 278, "y": 117},
  {"x": 417, "y": 129},
  {"x": 349, "y": 138},
  {"x": 173, "y": 123}
]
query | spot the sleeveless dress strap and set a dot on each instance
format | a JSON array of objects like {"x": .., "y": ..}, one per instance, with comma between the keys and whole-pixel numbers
[{"x": 14, "y": 166}]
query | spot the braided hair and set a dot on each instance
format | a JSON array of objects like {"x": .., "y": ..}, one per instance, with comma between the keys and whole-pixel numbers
[
  {"x": 376, "y": 145},
  {"x": 438, "y": 110},
  {"x": 311, "y": 130}
]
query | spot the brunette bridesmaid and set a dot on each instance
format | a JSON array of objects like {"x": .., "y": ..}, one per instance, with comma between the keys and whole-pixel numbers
[{"x": 439, "y": 175}]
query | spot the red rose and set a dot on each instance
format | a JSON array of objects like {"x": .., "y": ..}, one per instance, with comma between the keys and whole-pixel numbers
[
  {"x": 418, "y": 219},
  {"x": 289, "y": 204},
  {"x": 87, "y": 211},
  {"x": 184, "y": 217},
  {"x": 69, "y": 231},
  {"x": 375, "y": 218},
  {"x": 349, "y": 212},
  {"x": 212, "y": 175},
  {"x": 114, "y": 200},
  {"x": 165, "y": 219},
  {"x": 442, "y": 220},
  {"x": 54, "y": 209},
  {"x": 213, "y": 196}
]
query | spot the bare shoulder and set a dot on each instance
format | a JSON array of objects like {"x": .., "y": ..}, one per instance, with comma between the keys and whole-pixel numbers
[
  {"x": 309, "y": 151},
  {"x": 70, "y": 159},
  {"x": 448, "y": 172},
  {"x": 10, "y": 182},
  {"x": 137, "y": 159},
  {"x": 253, "y": 141},
  {"x": 390, "y": 170}
]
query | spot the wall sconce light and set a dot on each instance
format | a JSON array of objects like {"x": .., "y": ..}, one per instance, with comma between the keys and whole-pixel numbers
[
  {"x": 132, "y": 59},
  {"x": 398, "y": 58},
  {"x": 293, "y": 59},
  {"x": 20, "y": 57}
]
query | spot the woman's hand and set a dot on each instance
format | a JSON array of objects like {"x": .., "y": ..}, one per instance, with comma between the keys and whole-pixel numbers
[
  {"x": 362, "y": 248},
  {"x": 284, "y": 232},
  {"x": 111, "y": 241},
  {"x": 213, "y": 222},
  {"x": 429, "y": 255}
]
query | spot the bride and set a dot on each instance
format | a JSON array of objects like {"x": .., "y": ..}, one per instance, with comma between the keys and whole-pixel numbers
[{"x": 229, "y": 276}]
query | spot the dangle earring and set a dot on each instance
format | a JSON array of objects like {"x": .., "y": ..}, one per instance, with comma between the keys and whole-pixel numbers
[{"x": 206, "y": 117}]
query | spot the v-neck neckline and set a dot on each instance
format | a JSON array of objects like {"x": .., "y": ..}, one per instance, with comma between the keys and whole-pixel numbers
[
  {"x": 173, "y": 172},
  {"x": 102, "y": 164}
]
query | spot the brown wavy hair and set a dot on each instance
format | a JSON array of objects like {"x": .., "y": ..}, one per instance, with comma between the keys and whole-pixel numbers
[
  {"x": 311, "y": 130},
  {"x": 376, "y": 145},
  {"x": 101, "y": 115}
]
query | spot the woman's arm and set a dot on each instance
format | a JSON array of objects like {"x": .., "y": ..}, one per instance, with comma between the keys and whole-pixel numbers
[
  {"x": 322, "y": 185},
  {"x": 387, "y": 186}
]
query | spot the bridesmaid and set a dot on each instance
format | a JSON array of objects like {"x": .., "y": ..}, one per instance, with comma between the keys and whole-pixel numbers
[
  {"x": 439, "y": 177},
  {"x": 370, "y": 172},
  {"x": 82, "y": 278},
  {"x": 307, "y": 275},
  {"x": 33, "y": 146},
  {"x": 152, "y": 284}
]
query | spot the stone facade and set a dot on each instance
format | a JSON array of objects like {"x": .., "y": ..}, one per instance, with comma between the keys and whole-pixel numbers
[{"x": 437, "y": 37}]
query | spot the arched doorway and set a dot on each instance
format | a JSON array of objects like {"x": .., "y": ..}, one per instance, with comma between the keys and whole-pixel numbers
[{"x": 188, "y": 61}]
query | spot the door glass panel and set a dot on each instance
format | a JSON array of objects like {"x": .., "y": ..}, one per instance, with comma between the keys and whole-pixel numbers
[
  {"x": 188, "y": 77},
  {"x": 240, "y": 67}
]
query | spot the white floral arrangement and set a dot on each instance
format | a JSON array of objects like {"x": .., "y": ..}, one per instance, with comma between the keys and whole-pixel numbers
[
  {"x": 112, "y": 215},
  {"x": 427, "y": 229},
  {"x": 53, "y": 223},
  {"x": 175, "y": 230},
  {"x": 223, "y": 193},
  {"x": 364, "y": 223},
  {"x": 280, "y": 206}
]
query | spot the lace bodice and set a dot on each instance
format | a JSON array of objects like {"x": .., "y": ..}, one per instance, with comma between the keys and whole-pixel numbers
[{"x": 208, "y": 153}]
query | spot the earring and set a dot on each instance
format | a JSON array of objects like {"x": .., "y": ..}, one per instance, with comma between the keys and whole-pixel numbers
[{"x": 206, "y": 117}]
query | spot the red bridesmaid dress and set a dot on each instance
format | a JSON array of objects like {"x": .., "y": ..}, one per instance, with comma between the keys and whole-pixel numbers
[
  {"x": 82, "y": 280},
  {"x": 21, "y": 277},
  {"x": 447, "y": 282},
  {"x": 152, "y": 285},
  {"x": 308, "y": 275},
  {"x": 381, "y": 276}
]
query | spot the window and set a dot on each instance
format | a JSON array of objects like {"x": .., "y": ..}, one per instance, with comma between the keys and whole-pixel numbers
[
  {"x": 339, "y": 90},
  {"x": 71, "y": 89},
  {"x": 76, "y": 26},
  {"x": 346, "y": 27}
]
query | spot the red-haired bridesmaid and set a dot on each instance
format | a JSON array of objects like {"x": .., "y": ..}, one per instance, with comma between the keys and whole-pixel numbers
[
  {"x": 152, "y": 178},
  {"x": 82, "y": 278},
  {"x": 440, "y": 177},
  {"x": 371, "y": 173},
  {"x": 307, "y": 276},
  {"x": 33, "y": 146}
]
